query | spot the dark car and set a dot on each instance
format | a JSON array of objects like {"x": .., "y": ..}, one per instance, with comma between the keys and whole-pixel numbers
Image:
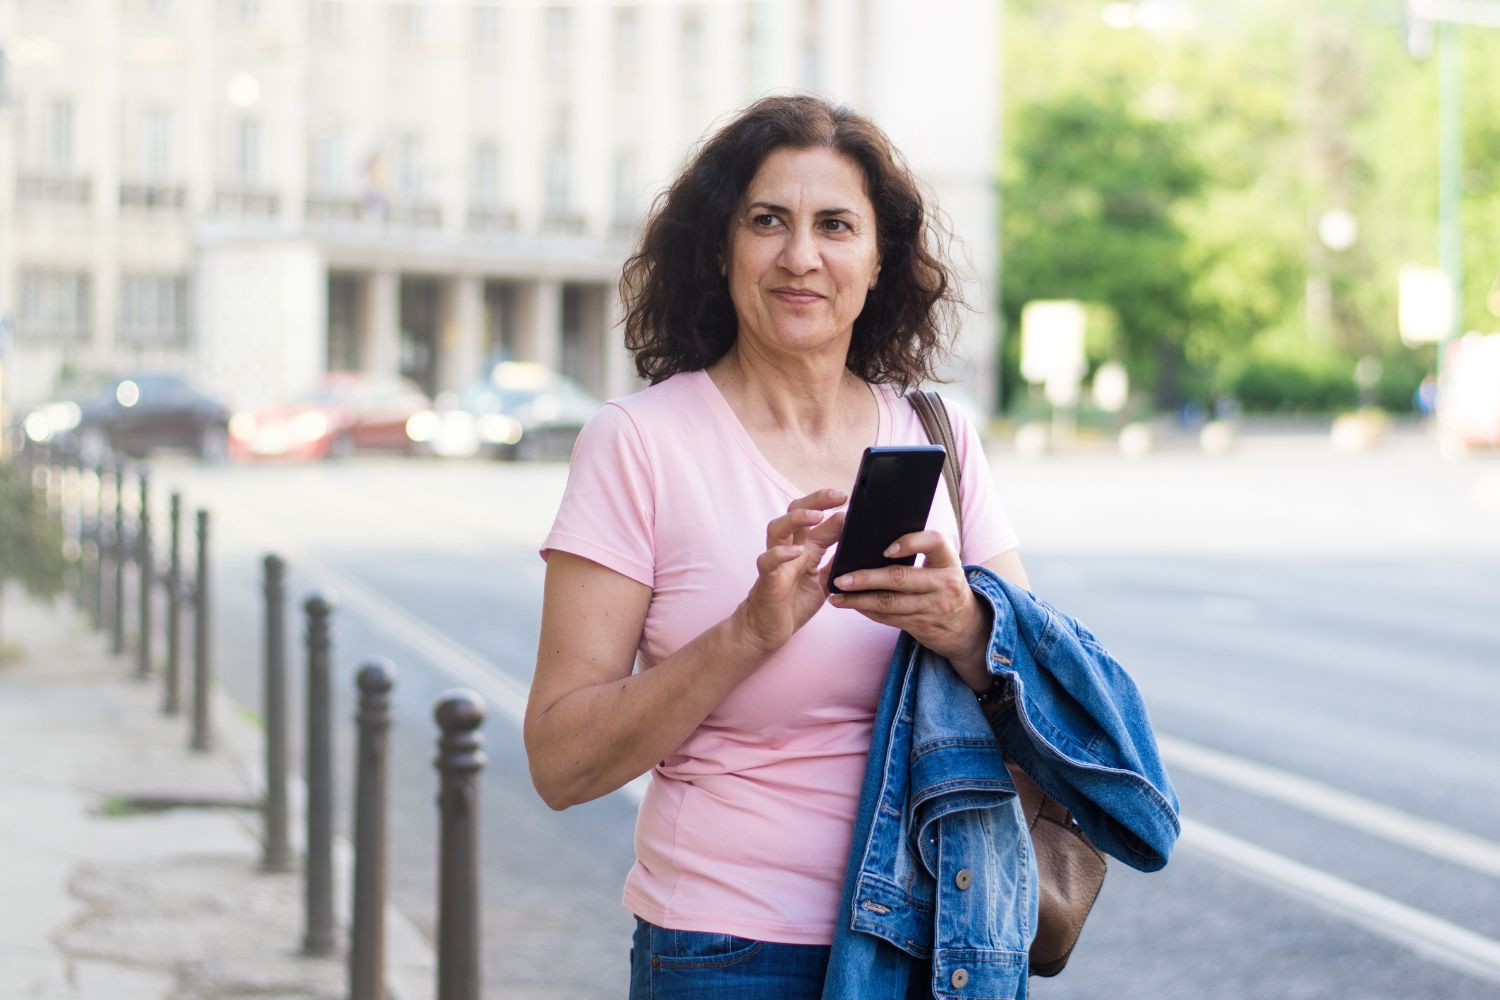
[
  {"x": 520, "y": 410},
  {"x": 133, "y": 415},
  {"x": 345, "y": 412}
]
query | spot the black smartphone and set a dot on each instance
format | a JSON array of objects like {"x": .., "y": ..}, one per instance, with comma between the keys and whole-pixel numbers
[{"x": 892, "y": 497}]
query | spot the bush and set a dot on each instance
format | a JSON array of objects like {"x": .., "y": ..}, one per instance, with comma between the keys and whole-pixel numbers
[{"x": 31, "y": 552}]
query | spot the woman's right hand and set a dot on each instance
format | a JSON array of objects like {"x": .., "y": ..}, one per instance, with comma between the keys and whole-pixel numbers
[{"x": 789, "y": 590}]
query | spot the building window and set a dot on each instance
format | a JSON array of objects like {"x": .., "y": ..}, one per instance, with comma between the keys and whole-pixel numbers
[
  {"x": 811, "y": 63},
  {"x": 626, "y": 201},
  {"x": 328, "y": 19},
  {"x": 692, "y": 54},
  {"x": 54, "y": 304},
  {"x": 486, "y": 189},
  {"x": 247, "y": 12},
  {"x": 409, "y": 165},
  {"x": 328, "y": 163},
  {"x": 153, "y": 308},
  {"x": 559, "y": 176},
  {"x": 247, "y": 152},
  {"x": 485, "y": 26},
  {"x": 558, "y": 40},
  {"x": 627, "y": 47},
  {"x": 408, "y": 22},
  {"x": 60, "y": 134},
  {"x": 156, "y": 151}
]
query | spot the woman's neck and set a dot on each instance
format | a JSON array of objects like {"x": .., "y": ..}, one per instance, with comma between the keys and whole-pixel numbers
[{"x": 803, "y": 398}]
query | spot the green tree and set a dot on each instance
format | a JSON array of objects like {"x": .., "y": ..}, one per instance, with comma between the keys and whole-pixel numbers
[
  {"x": 31, "y": 553},
  {"x": 1090, "y": 195}
]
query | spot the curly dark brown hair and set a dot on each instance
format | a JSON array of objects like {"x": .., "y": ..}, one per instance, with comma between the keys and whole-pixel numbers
[{"x": 678, "y": 314}]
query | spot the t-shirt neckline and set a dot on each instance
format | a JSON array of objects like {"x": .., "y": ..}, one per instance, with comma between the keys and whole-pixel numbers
[{"x": 727, "y": 418}]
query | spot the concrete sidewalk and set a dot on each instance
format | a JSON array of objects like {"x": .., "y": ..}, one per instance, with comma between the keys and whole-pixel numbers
[{"x": 129, "y": 865}]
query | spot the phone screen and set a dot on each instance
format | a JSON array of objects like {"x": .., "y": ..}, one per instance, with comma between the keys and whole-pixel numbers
[{"x": 892, "y": 497}]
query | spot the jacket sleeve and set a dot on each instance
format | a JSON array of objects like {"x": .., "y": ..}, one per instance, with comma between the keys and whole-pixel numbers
[{"x": 1075, "y": 722}]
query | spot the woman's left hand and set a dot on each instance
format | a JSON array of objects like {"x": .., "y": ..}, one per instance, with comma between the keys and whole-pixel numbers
[{"x": 932, "y": 601}]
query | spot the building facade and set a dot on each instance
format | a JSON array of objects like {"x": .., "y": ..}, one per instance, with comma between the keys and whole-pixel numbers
[{"x": 257, "y": 191}]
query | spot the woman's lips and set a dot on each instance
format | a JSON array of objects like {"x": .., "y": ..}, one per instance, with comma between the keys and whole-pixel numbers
[{"x": 796, "y": 296}]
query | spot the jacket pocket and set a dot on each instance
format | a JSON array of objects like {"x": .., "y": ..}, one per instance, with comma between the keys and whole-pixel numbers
[{"x": 972, "y": 974}]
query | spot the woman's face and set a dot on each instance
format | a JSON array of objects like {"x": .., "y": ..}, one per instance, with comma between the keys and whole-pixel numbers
[{"x": 801, "y": 253}]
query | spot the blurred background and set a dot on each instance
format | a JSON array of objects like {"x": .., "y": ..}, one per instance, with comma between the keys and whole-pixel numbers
[{"x": 1234, "y": 271}]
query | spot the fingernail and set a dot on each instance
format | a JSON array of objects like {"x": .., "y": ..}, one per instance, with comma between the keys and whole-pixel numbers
[
  {"x": 843, "y": 581},
  {"x": 894, "y": 548}
]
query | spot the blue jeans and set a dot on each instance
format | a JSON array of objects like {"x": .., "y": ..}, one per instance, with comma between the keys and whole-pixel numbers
[{"x": 696, "y": 965}]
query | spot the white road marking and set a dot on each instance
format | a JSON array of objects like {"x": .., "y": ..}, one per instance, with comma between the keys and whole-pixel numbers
[
  {"x": 1431, "y": 838},
  {"x": 1429, "y": 936}
]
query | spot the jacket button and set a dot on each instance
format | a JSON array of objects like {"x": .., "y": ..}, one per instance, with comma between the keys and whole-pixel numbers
[
  {"x": 963, "y": 879},
  {"x": 959, "y": 979}
]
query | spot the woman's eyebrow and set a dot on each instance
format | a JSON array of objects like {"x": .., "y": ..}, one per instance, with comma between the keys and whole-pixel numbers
[{"x": 824, "y": 213}]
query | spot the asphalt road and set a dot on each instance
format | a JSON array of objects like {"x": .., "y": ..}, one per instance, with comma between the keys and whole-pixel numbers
[{"x": 1315, "y": 632}]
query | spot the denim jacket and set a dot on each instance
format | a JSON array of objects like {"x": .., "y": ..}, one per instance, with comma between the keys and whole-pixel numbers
[{"x": 940, "y": 895}]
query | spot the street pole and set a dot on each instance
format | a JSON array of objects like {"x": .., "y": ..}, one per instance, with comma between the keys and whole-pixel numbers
[{"x": 1450, "y": 169}]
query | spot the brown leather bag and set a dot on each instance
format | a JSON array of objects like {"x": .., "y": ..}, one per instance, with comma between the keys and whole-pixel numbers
[{"x": 1070, "y": 870}]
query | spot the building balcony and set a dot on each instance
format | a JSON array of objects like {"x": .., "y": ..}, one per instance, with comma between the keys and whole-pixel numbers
[
  {"x": 415, "y": 214},
  {"x": 339, "y": 208},
  {"x": 564, "y": 224},
  {"x": 53, "y": 189},
  {"x": 152, "y": 196},
  {"x": 247, "y": 202},
  {"x": 488, "y": 219}
]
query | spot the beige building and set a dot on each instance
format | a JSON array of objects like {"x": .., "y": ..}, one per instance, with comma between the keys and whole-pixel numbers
[{"x": 257, "y": 191}]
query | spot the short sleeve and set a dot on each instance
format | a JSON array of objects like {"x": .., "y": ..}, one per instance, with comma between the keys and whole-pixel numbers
[
  {"x": 607, "y": 513},
  {"x": 987, "y": 530}
]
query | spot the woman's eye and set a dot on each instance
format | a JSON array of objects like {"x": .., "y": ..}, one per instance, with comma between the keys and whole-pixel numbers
[
  {"x": 837, "y": 225},
  {"x": 764, "y": 221}
]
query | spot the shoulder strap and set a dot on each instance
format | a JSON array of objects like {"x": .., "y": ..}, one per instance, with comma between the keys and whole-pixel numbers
[{"x": 934, "y": 415}]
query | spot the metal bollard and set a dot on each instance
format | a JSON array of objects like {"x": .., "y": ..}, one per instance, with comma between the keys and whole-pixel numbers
[
  {"x": 459, "y": 715},
  {"x": 101, "y": 545},
  {"x": 86, "y": 552},
  {"x": 367, "y": 934},
  {"x": 172, "y": 677},
  {"x": 278, "y": 853},
  {"x": 122, "y": 555},
  {"x": 319, "y": 939},
  {"x": 202, "y": 670},
  {"x": 146, "y": 569}
]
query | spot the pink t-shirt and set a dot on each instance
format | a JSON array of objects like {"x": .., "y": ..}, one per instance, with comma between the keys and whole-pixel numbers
[{"x": 745, "y": 829}]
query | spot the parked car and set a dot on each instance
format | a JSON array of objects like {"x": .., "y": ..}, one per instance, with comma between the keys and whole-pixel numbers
[
  {"x": 134, "y": 414},
  {"x": 520, "y": 410},
  {"x": 346, "y": 412}
]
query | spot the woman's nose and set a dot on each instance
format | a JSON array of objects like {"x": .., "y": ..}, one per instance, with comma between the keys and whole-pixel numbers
[{"x": 800, "y": 252}]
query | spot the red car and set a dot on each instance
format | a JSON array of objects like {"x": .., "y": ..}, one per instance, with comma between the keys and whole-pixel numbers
[{"x": 348, "y": 411}]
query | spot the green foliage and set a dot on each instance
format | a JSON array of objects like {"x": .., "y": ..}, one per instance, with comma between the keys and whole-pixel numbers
[
  {"x": 30, "y": 542},
  {"x": 1178, "y": 177}
]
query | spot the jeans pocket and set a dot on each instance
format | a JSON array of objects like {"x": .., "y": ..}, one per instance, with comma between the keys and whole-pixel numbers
[{"x": 690, "y": 950}]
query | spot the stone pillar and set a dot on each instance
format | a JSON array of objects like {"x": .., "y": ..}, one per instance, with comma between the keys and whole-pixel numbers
[
  {"x": 539, "y": 322},
  {"x": 620, "y": 378},
  {"x": 380, "y": 335},
  {"x": 461, "y": 339}
]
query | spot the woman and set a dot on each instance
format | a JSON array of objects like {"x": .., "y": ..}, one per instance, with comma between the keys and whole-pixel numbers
[{"x": 787, "y": 289}]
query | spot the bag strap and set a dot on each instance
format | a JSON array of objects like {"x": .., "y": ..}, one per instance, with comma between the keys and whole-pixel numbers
[{"x": 934, "y": 415}]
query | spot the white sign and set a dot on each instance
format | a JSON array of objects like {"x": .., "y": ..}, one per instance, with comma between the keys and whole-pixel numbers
[
  {"x": 1052, "y": 340},
  {"x": 1426, "y": 306}
]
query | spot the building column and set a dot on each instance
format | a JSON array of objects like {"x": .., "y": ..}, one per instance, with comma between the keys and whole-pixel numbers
[
  {"x": 380, "y": 337},
  {"x": 539, "y": 322},
  {"x": 619, "y": 367},
  {"x": 461, "y": 341}
]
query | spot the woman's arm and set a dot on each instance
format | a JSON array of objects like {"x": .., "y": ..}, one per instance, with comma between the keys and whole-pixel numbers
[{"x": 591, "y": 724}]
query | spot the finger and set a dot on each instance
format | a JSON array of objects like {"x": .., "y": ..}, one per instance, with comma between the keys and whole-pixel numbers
[
  {"x": 885, "y": 603},
  {"x": 828, "y": 532},
  {"x": 819, "y": 500},
  {"x": 789, "y": 528},
  {"x": 775, "y": 557},
  {"x": 931, "y": 544},
  {"x": 911, "y": 579}
]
